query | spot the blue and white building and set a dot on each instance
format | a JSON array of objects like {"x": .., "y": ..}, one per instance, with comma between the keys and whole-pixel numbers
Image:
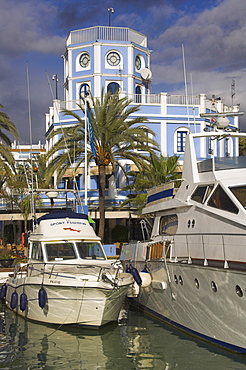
[{"x": 118, "y": 59}]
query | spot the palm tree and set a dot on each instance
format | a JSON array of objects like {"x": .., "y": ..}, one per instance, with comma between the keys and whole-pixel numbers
[
  {"x": 6, "y": 158},
  {"x": 159, "y": 171},
  {"x": 116, "y": 136},
  {"x": 38, "y": 169},
  {"x": 18, "y": 192},
  {"x": 242, "y": 146}
]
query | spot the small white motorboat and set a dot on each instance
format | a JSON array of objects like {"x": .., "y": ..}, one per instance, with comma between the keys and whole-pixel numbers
[{"x": 67, "y": 279}]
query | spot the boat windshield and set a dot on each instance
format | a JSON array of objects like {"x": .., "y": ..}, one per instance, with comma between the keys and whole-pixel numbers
[
  {"x": 240, "y": 194},
  {"x": 90, "y": 250},
  {"x": 60, "y": 251}
]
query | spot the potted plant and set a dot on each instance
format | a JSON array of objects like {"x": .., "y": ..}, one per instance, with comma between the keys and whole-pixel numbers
[{"x": 6, "y": 257}]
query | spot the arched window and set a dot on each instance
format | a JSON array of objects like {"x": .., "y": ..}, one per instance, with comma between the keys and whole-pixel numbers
[
  {"x": 179, "y": 139},
  {"x": 84, "y": 90},
  {"x": 113, "y": 87},
  {"x": 138, "y": 97}
]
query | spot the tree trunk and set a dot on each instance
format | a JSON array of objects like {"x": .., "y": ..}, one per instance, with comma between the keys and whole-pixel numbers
[{"x": 102, "y": 185}]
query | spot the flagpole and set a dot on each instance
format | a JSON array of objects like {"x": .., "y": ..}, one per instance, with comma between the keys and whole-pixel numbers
[{"x": 86, "y": 150}]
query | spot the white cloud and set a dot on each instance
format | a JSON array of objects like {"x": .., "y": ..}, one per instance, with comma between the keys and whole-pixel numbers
[
  {"x": 215, "y": 52},
  {"x": 25, "y": 26}
]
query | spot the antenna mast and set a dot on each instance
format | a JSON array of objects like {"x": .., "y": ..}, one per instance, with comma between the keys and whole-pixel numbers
[{"x": 232, "y": 90}]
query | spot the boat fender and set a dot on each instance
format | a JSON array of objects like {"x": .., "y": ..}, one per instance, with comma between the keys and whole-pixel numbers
[
  {"x": 146, "y": 279},
  {"x": 133, "y": 290},
  {"x": 14, "y": 300},
  {"x": 23, "y": 301},
  {"x": 13, "y": 330},
  {"x": 42, "y": 297},
  {"x": 136, "y": 276},
  {"x": 128, "y": 269},
  {"x": 3, "y": 291}
]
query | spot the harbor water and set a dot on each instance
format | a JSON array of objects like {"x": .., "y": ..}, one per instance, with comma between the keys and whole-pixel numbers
[{"x": 136, "y": 342}]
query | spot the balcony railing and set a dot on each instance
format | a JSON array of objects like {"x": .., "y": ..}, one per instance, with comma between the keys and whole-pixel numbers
[
  {"x": 143, "y": 99},
  {"x": 183, "y": 100}
]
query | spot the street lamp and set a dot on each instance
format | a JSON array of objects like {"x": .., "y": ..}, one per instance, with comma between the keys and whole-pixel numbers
[
  {"x": 55, "y": 78},
  {"x": 110, "y": 10}
]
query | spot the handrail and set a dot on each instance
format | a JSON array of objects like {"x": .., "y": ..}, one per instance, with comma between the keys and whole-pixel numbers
[{"x": 67, "y": 270}]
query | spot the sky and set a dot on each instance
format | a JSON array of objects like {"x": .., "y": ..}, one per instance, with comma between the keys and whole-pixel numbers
[{"x": 33, "y": 35}]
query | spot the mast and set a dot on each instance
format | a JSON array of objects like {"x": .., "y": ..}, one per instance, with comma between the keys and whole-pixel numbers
[{"x": 31, "y": 145}]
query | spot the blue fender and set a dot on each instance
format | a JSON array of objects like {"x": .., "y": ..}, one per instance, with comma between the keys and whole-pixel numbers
[
  {"x": 136, "y": 276},
  {"x": 23, "y": 301},
  {"x": 14, "y": 300},
  {"x": 3, "y": 291},
  {"x": 42, "y": 297}
]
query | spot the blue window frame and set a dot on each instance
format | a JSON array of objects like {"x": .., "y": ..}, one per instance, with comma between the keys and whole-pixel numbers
[
  {"x": 138, "y": 93},
  {"x": 84, "y": 89},
  {"x": 113, "y": 87},
  {"x": 181, "y": 135}
]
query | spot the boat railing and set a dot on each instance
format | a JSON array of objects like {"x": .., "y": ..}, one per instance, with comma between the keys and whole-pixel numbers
[
  {"x": 221, "y": 250},
  {"x": 226, "y": 249},
  {"x": 71, "y": 271}
]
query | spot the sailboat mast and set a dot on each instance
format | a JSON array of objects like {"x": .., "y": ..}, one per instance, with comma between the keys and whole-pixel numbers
[{"x": 31, "y": 144}]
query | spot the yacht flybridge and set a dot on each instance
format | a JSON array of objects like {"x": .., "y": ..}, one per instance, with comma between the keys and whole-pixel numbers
[{"x": 193, "y": 268}]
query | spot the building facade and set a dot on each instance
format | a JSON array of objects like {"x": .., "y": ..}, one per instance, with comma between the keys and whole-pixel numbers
[{"x": 118, "y": 59}]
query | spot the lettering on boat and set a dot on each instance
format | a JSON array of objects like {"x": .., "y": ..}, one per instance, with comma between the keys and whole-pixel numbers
[
  {"x": 55, "y": 282},
  {"x": 57, "y": 223}
]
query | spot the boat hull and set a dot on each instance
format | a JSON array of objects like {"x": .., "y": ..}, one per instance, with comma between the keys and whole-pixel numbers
[
  {"x": 202, "y": 300},
  {"x": 83, "y": 304}
]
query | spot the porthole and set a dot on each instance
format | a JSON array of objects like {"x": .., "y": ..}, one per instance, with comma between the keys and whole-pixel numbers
[
  {"x": 193, "y": 223},
  {"x": 113, "y": 58},
  {"x": 180, "y": 280},
  {"x": 138, "y": 62},
  {"x": 84, "y": 60},
  {"x": 176, "y": 279},
  {"x": 239, "y": 291},
  {"x": 188, "y": 224},
  {"x": 213, "y": 286},
  {"x": 197, "y": 284}
]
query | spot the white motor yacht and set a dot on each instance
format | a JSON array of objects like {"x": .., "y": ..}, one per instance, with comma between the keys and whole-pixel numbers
[{"x": 192, "y": 270}]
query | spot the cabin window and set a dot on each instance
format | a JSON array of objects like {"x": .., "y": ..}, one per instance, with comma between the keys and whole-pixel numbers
[
  {"x": 90, "y": 250},
  {"x": 37, "y": 253},
  {"x": 219, "y": 199},
  {"x": 168, "y": 225},
  {"x": 201, "y": 193},
  {"x": 240, "y": 194},
  {"x": 60, "y": 251}
]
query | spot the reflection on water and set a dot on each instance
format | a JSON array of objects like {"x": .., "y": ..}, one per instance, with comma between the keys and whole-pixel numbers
[{"x": 137, "y": 342}]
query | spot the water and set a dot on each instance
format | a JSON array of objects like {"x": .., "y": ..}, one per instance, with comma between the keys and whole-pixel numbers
[{"x": 136, "y": 342}]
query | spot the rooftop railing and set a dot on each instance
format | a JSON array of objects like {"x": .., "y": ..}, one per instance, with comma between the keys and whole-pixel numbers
[{"x": 107, "y": 34}]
